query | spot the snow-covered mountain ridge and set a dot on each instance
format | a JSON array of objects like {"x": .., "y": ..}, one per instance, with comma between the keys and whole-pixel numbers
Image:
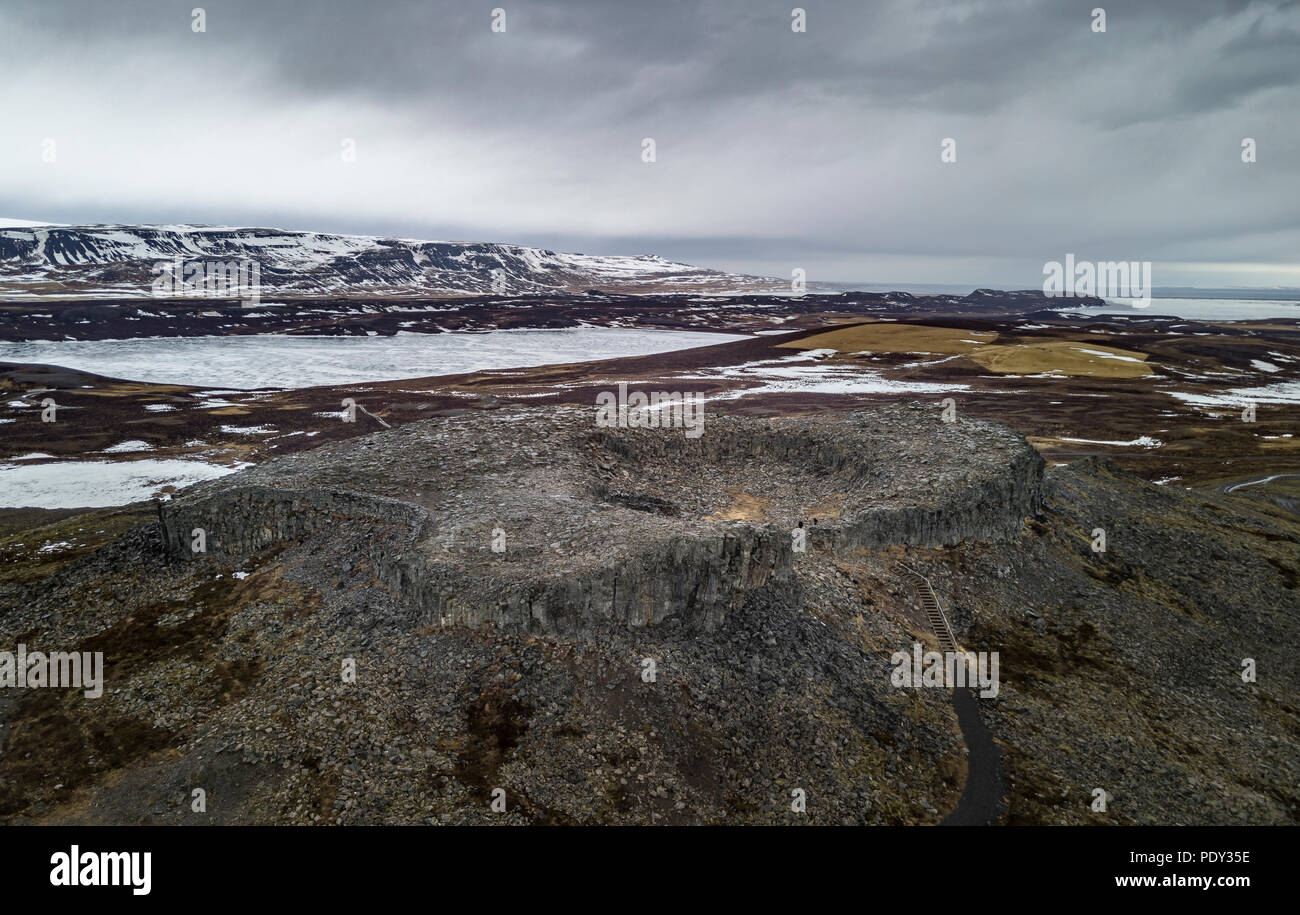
[{"x": 119, "y": 260}]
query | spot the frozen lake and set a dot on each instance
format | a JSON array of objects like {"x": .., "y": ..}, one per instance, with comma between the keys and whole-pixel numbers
[
  {"x": 271, "y": 361},
  {"x": 96, "y": 484}
]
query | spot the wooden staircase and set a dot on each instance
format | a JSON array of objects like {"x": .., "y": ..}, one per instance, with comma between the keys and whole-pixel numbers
[{"x": 933, "y": 611}]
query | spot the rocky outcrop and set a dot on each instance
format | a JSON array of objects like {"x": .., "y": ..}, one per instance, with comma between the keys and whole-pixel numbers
[
  {"x": 245, "y": 519},
  {"x": 990, "y": 508},
  {"x": 540, "y": 521}
]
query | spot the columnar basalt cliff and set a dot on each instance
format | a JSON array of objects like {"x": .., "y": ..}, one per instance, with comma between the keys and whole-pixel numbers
[{"x": 538, "y": 520}]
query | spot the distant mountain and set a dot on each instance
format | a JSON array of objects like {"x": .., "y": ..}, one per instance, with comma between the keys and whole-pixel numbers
[
  {"x": 38, "y": 260},
  {"x": 7, "y": 223}
]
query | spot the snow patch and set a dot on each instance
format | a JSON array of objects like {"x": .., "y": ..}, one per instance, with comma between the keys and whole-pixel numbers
[
  {"x": 98, "y": 484},
  {"x": 127, "y": 447},
  {"x": 1144, "y": 441}
]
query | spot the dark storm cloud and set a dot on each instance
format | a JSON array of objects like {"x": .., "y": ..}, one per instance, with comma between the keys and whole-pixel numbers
[
  {"x": 775, "y": 148},
  {"x": 950, "y": 56}
]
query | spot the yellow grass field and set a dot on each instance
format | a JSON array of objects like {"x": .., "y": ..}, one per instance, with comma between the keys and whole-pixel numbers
[
  {"x": 895, "y": 338},
  {"x": 1065, "y": 357}
]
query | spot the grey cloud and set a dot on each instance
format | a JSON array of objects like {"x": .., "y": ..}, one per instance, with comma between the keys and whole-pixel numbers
[{"x": 773, "y": 146}]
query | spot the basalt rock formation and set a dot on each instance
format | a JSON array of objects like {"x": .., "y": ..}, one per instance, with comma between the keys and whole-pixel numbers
[
  {"x": 649, "y": 648},
  {"x": 538, "y": 520}
]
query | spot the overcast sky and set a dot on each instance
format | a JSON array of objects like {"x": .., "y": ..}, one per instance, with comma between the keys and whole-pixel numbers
[{"x": 774, "y": 149}]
